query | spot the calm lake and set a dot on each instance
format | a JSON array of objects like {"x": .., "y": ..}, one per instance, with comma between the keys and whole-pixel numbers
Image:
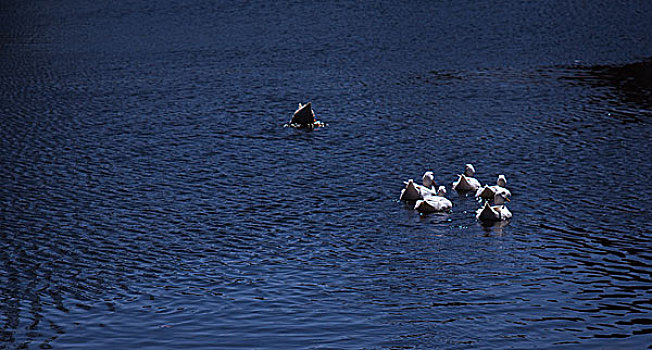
[{"x": 150, "y": 197}]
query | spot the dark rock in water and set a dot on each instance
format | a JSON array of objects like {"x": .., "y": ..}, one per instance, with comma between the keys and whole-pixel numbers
[{"x": 304, "y": 115}]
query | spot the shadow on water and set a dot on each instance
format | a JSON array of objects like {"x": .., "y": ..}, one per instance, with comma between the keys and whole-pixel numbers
[
  {"x": 594, "y": 227},
  {"x": 627, "y": 88},
  {"x": 496, "y": 227}
]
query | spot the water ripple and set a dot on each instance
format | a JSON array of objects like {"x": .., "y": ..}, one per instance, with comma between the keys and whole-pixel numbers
[{"x": 150, "y": 197}]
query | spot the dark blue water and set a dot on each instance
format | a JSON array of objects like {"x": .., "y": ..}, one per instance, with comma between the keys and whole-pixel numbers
[{"x": 151, "y": 198}]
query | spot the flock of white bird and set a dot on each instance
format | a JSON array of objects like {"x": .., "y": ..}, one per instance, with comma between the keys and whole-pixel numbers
[{"x": 430, "y": 198}]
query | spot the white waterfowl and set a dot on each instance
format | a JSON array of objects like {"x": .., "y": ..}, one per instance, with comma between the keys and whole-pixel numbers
[
  {"x": 496, "y": 212},
  {"x": 304, "y": 116},
  {"x": 429, "y": 187},
  {"x": 466, "y": 181},
  {"x": 432, "y": 204},
  {"x": 413, "y": 192},
  {"x": 410, "y": 192},
  {"x": 488, "y": 192}
]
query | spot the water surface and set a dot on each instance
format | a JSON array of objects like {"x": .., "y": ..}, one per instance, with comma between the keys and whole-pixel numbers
[{"x": 150, "y": 196}]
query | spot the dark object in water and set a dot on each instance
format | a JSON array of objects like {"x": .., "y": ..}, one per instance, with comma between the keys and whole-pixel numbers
[{"x": 304, "y": 115}]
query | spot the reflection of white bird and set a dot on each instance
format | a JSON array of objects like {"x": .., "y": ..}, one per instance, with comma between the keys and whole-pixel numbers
[
  {"x": 488, "y": 192},
  {"x": 413, "y": 192},
  {"x": 497, "y": 212},
  {"x": 466, "y": 181},
  {"x": 434, "y": 203}
]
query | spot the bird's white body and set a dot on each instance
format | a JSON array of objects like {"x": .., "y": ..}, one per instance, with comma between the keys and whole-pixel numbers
[
  {"x": 410, "y": 192},
  {"x": 466, "y": 181},
  {"x": 488, "y": 192},
  {"x": 413, "y": 191},
  {"x": 434, "y": 203},
  {"x": 496, "y": 212}
]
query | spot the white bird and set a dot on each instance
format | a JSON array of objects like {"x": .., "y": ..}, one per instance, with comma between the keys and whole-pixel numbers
[
  {"x": 413, "y": 192},
  {"x": 488, "y": 192},
  {"x": 466, "y": 181},
  {"x": 497, "y": 212},
  {"x": 304, "y": 116},
  {"x": 432, "y": 204},
  {"x": 410, "y": 192}
]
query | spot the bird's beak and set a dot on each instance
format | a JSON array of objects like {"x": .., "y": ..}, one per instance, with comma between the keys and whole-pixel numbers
[{"x": 507, "y": 200}]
